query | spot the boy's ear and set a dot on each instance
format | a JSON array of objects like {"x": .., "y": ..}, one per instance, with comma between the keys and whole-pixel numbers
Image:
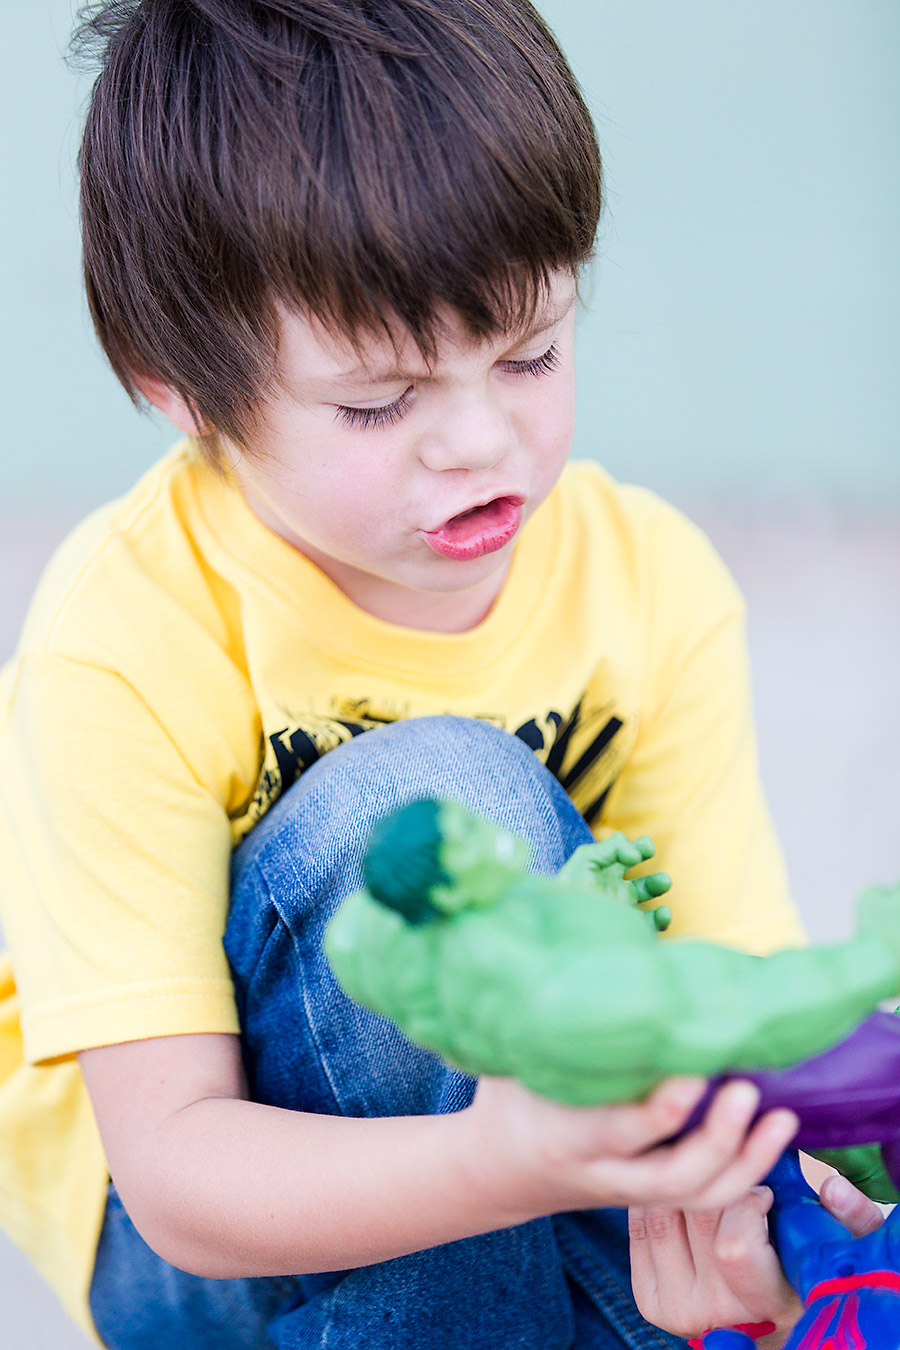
[{"x": 179, "y": 413}]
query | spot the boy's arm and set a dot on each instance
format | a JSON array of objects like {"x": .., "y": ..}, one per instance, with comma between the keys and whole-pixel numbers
[{"x": 222, "y": 1186}]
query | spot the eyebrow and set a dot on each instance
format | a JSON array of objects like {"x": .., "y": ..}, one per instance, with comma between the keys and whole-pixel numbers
[{"x": 362, "y": 375}]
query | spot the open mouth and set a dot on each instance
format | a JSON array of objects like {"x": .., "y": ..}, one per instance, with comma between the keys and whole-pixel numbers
[{"x": 480, "y": 530}]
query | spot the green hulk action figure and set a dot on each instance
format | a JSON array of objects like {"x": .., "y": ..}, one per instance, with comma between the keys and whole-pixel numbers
[{"x": 561, "y": 981}]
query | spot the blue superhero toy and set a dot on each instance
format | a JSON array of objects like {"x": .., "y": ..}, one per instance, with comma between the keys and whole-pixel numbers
[{"x": 850, "y": 1287}]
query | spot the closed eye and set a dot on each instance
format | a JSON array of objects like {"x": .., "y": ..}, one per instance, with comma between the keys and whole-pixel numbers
[
  {"x": 386, "y": 414},
  {"x": 537, "y": 365}
]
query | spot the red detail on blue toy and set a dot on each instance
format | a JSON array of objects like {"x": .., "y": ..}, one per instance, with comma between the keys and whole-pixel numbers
[
  {"x": 846, "y": 1333},
  {"x": 751, "y": 1329}
]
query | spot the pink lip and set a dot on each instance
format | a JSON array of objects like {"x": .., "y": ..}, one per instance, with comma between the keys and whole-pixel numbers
[{"x": 483, "y": 529}]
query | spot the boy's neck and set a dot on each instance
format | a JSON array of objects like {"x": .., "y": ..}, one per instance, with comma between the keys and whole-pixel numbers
[
  {"x": 435, "y": 611},
  {"x": 426, "y": 611}
]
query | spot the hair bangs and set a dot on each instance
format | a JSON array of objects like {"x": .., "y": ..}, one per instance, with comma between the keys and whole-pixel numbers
[{"x": 377, "y": 164}]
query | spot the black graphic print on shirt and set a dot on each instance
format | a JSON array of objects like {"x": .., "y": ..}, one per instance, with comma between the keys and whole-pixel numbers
[{"x": 583, "y": 749}]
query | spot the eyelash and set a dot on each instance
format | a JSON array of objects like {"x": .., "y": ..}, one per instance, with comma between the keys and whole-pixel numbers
[
  {"x": 392, "y": 412},
  {"x": 376, "y": 417}
]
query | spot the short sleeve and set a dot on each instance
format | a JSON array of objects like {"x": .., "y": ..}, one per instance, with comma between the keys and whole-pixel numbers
[
  {"x": 114, "y": 866},
  {"x": 692, "y": 781}
]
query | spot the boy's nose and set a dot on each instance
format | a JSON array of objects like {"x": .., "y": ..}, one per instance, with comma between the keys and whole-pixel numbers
[{"x": 475, "y": 438}]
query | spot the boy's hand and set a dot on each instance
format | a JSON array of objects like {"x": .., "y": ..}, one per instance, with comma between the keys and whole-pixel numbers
[
  {"x": 544, "y": 1157},
  {"x": 716, "y": 1268}
]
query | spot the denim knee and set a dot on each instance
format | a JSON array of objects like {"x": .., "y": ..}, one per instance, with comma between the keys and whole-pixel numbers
[{"x": 491, "y": 770}]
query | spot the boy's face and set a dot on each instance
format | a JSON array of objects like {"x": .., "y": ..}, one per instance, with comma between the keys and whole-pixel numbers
[{"x": 408, "y": 487}]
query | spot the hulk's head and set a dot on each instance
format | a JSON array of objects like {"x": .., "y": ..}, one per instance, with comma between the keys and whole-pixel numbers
[{"x": 435, "y": 857}]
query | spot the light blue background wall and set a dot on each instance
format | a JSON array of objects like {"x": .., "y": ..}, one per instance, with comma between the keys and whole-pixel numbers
[{"x": 743, "y": 337}]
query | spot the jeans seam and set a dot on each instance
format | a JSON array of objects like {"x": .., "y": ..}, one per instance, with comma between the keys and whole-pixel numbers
[
  {"x": 283, "y": 923},
  {"x": 329, "y": 1322},
  {"x": 252, "y": 974},
  {"x": 606, "y": 1293}
]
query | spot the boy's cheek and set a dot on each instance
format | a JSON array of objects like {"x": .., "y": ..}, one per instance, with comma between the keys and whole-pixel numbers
[
  {"x": 552, "y": 448},
  {"x": 552, "y": 423}
]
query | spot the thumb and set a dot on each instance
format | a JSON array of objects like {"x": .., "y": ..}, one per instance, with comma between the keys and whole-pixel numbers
[{"x": 849, "y": 1206}]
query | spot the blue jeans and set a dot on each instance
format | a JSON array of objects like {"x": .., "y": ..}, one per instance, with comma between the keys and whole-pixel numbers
[{"x": 551, "y": 1284}]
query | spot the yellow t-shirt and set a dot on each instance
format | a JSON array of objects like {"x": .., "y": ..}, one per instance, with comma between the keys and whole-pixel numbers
[{"x": 181, "y": 665}]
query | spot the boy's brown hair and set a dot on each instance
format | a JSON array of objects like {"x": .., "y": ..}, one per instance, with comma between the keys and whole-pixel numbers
[{"x": 372, "y": 162}]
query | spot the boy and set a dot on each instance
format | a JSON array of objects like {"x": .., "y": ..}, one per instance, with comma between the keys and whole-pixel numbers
[{"x": 337, "y": 243}]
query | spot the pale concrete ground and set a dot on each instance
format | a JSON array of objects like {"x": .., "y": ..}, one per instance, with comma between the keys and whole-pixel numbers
[{"x": 823, "y": 590}]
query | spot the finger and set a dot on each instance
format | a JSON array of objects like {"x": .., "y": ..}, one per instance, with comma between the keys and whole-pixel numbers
[
  {"x": 644, "y": 1282},
  {"x": 761, "y": 1149},
  {"x": 661, "y": 1250},
  {"x": 630, "y": 853},
  {"x": 660, "y": 1174},
  {"x": 853, "y": 1209},
  {"x": 743, "y": 1230},
  {"x": 634, "y": 1127},
  {"x": 606, "y": 851},
  {"x": 648, "y": 888},
  {"x": 702, "y": 1227},
  {"x": 696, "y": 1160},
  {"x": 748, "y": 1261},
  {"x": 644, "y": 846},
  {"x": 716, "y": 1163}
]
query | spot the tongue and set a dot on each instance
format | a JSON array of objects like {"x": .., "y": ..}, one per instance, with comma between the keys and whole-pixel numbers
[{"x": 466, "y": 523}]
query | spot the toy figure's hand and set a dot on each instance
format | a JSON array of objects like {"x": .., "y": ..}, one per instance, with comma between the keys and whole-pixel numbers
[
  {"x": 538, "y": 1157},
  {"x": 617, "y": 851},
  {"x": 612, "y": 858},
  {"x": 701, "y": 1269}
]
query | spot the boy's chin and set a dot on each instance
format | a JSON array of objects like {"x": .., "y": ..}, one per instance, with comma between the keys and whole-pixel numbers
[{"x": 451, "y": 598}]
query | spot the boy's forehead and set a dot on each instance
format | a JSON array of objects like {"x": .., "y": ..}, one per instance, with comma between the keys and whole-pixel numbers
[{"x": 308, "y": 350}]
